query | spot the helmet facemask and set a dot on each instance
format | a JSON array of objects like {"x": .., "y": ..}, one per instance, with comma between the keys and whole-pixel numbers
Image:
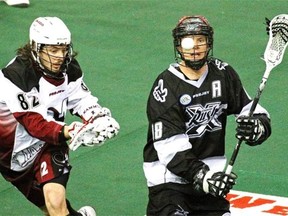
[
  {"x": 192, "y": 26},
  {"x": 50, "y": 32},
  {"x": 45, "y": 65}
]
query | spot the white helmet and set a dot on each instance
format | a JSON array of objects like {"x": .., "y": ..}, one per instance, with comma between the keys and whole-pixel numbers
[{"x": 50, "y": 31}]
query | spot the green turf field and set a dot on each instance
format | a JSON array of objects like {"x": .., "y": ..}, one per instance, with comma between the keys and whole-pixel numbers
[{"x": 123, "y": 45}]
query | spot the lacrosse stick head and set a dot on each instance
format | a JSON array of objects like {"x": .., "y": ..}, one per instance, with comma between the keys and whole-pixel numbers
[{"x": 278, "y": 40}]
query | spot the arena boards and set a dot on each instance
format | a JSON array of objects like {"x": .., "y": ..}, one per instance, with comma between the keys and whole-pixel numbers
[{"x": 252, "y": 204}]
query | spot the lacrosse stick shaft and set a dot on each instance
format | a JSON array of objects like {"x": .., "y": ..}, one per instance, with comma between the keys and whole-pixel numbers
[
  {"x": 251, "y": 111},
  {"x": 273, "y": 55}
]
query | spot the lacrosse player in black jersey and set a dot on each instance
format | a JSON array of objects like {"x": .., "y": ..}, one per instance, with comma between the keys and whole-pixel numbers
[
  {"x": 187, "y": 110},
  {"x": 38, "y": 87}
]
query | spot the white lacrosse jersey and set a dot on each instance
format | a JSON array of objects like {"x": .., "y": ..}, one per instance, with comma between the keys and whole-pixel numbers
[{"x": 33, "y": 109}]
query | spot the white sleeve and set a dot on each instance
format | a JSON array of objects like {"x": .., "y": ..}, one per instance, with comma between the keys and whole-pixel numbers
[
  {"x": 81, "y": 101},
  {"x": 166, "y": 149},
  {"x": 258, "y": 110}
]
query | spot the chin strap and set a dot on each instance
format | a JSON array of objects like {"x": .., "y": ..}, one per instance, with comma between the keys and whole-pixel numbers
[{"x": 196, "y": 65}]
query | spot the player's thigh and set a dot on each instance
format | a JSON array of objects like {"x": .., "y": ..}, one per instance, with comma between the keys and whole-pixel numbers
[
  {"x": 54, "y": 162},
  {"x": 173, "y": 199},
  {"x": 163, "y": 201},
  {"x": 27, "y": 185}
]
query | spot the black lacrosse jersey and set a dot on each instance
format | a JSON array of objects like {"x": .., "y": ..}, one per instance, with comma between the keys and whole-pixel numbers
[{"x": 187, "y": 120}]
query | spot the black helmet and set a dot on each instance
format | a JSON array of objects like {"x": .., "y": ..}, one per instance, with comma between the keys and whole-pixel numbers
[{"x": 192, "y": 25}]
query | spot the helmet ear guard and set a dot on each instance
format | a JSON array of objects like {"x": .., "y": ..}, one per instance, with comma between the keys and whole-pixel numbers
[{"x": 192, "y": 25}]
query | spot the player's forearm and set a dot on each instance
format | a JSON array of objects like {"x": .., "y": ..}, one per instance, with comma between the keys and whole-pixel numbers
[
  {"x": 185, "y": 164},
  {"x": 40, "y": 128}
]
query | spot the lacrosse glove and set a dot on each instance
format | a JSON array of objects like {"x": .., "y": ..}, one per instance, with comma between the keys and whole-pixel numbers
[
  {"x": 217, "y": 184},
  {"x": 251, "y": 130},
  {"x": 94, "y": 133},
  {"x": 80, "y": 134},
  {"x": 106, "y": 127},
  {"x": 94, "y": 113}
]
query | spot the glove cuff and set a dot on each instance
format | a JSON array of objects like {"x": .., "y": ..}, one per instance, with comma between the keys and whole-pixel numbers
[
  {"x": 266, "y": 127},
  {"x": 61, "y": 136},
  {"x": 198, "y": 178},
  {"x": 208, "y": 175}
]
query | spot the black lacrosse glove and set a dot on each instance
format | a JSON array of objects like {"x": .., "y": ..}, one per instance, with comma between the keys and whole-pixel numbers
[
  {"x": 221, "y": 183},
  {"x": 250, "y": 130},
  {"x": 217, "y": 184}
]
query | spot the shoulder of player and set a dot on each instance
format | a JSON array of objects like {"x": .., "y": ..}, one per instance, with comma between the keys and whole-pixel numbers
[
  {"x": 221, "y": 67},
  {"x": 219, "y": 64},
  {"x": 165, "y": 77},
  {"x": 21, "y": 73},
  {"x": 74, "y": 71},
  {"x": 171, "y": 74}
]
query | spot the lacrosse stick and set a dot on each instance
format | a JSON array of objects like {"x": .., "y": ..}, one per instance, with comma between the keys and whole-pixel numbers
[{"x": 273, "y": 55}]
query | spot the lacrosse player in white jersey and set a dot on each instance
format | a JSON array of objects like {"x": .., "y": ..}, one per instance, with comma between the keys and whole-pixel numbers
[
  {"x": 17, "y": 3},
  {"x": 38, "y": 87},
  {"x": 187, "y": 109}
]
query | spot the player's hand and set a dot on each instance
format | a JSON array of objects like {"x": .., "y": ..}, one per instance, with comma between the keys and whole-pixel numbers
[
  {"x": 249, "y": 129},
  {"x": 106, "y": 127},
  {"x": 94, "y": 133},
  {"x": 219, "y": 184},
  {"x": 95, "y": 113},
  {"x": 80, "y": 134},
  {"x": 74, "y": 127},
  {"x": 216, "y": 183}
]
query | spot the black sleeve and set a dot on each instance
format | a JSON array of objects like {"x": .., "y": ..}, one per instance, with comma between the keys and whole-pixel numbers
[
  {"x": 166, "y": 111},
  {"x": 237, "y": 96},
  {"x": 186, "y": 165}
]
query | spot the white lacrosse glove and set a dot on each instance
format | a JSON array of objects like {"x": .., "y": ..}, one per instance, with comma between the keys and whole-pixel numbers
[
  {"x": 94, "y": 133},
  {"x": 105, "y": 127},
  {"x": 95, "y": 112},
  {"x": 80, "y": 134}
]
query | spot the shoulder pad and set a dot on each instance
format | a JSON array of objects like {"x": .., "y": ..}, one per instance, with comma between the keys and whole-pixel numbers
[
  {"x": 221, "y": 65},
  {"x": 21, "y": 73},
  {"x": 74, "y": 71}
]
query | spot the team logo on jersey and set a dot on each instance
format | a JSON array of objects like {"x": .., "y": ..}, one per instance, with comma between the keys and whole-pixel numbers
[
  {"x": 60, "y": 159},
  {"x": 160, "y": 92},
  {"x": 204, "y": 118},
  {"x": 181, "y": 212},
  {"x": 24, "y": 158},
  {"x": 220, "y": 65},
  {"x": 185, "y": 99}
]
